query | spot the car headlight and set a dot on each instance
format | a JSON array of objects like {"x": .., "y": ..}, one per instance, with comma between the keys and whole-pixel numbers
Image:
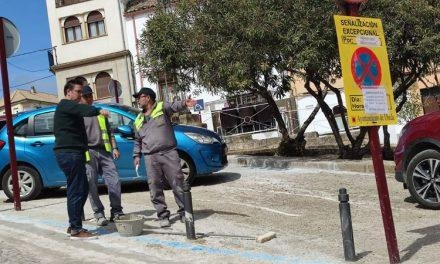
[{"x": 199, "y": 138}]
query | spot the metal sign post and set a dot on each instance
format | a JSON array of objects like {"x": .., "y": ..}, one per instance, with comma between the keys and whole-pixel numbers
[
  {"x": 369, "y": 95},
  {"x": 7, "y": 47}
]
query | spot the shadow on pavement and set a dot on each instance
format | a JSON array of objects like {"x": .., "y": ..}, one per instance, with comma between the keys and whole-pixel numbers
[
  {"x": 216, "y": 178},
  {"x": 205, "y": 213},
  {"x": 431, "y": 236},
  {"x": 362, "y": 255},
  {"x": 410, "y": 200}
]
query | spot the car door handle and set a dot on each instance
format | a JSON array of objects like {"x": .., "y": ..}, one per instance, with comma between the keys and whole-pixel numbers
[{"x": 37, "y": 144}]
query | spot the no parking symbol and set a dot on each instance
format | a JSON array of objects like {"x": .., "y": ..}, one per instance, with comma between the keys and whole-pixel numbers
[{"x": 365, "y": 67}]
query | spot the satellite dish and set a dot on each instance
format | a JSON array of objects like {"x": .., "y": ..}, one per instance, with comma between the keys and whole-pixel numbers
[{"x": 10, "y": 36}]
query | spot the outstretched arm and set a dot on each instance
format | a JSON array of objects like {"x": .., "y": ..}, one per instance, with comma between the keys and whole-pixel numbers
[{"x": 178, "y": 106}]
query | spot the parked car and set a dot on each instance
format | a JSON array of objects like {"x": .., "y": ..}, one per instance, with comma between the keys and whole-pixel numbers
[
  {"x": 417, "y": 158},
  {"x": 201, "y": 151}
]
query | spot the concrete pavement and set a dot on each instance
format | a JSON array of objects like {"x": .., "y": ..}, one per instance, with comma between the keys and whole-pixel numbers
[{"x": 231, "y": 209}]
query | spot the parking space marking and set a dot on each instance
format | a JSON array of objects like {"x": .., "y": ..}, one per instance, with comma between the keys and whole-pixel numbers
[
  {"x": 252, "y": 206},
  {"x": 248, "y": 255}
]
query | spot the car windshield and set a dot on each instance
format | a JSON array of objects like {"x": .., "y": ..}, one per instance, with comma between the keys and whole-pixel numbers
[{"x": 128, "y": 109}]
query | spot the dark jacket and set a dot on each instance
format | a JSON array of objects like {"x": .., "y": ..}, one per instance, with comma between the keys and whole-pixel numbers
[{"x": 69, "y": 130}]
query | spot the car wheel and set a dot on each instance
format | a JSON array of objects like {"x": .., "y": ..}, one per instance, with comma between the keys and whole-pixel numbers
[
  {"x": 423, "y": 176},
  {"x": 187, "y": 167},
  {"x": 29, "y": 182}
]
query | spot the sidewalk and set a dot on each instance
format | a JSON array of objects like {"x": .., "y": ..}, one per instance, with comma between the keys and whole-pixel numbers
[{"x": 328, "y": 162}]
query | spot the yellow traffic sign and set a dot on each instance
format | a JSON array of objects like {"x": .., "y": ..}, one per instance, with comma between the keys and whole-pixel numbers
[{"x": 365, "y": 71}]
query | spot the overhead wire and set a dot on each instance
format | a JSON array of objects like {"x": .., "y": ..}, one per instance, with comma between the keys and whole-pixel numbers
[
  {"x": 24, "y": 69},
  {"x": 30, "y": 52},
  {"x": 42, "y": 78}
]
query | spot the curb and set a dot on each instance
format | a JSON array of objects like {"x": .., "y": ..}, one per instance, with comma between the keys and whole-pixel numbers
[{"x": 282, "y": 163}]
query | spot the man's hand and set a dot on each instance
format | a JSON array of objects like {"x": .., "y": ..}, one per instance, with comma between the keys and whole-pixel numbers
[
  {"x": 190, "y": 102},
  {"x": 105, "y": 113},
  {"x": 116, "y": 154},
  {"x": 136, "y": 161}
]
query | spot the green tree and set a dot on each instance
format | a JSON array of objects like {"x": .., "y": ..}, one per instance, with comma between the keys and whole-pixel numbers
[
  {"x": 229, "y": 46},
  {"x": 411, "y": 29},
  {"x": 251, "y": 45},
  {"x": 411, "y": 109}
]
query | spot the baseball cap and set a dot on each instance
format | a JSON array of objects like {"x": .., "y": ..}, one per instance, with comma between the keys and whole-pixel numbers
[
  {"x": 86, "y": 90},
  {"x": 146, "y": 91}
]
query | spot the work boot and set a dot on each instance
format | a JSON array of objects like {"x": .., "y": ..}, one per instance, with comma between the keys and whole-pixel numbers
[
  {"x": 102, "y": 221},
  {"x": 83, "y": 235},
  {"x": 69, "y": 230},
  {"x": 116, "y": 216},
  {"x": 164, "y": 222}
]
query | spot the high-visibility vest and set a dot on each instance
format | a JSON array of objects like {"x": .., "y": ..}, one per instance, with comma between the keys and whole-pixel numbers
[
  {"x": 104, "y": 136},
  {"x": 157, "y": 111}
]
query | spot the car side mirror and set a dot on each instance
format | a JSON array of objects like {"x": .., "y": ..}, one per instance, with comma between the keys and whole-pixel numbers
[{"x": 126, "y": 131}]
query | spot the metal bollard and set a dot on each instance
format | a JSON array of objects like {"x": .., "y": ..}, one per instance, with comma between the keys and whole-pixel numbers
[
  {"x": 189, "y": 216},
  {"x": 346, "y": 226}
]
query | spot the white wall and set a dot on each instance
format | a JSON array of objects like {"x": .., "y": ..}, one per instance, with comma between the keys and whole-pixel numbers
[
  {"x": 305, "y": 107},
  {"x": 320, "y": 124},
  {"x": 116, "y": 69},
  {"x": 86, "y": 48}
]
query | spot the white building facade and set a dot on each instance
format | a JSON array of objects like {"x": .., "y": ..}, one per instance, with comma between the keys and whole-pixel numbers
[{"x": 88, "y": 42}]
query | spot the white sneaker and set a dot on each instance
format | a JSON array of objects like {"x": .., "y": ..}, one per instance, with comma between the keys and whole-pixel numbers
[
  {"x": 102, "y": 221},
  {"x": 164, "y": 222}
]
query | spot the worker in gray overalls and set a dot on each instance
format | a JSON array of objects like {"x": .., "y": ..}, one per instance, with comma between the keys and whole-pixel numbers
[
  {"x": 100, "y": 157},
  {"x": 154, "y": 138}
]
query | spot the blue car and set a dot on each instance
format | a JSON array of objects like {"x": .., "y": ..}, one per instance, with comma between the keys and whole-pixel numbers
[{"x": 201, "y": 151}]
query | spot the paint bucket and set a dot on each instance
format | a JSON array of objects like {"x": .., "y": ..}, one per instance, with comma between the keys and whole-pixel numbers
[{"x": 129, "y": 225}]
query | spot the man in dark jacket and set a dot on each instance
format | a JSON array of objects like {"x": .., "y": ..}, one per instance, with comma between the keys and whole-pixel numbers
[
  {"x": 156, "y": 141},
  {"x": 70, "y": 148}
]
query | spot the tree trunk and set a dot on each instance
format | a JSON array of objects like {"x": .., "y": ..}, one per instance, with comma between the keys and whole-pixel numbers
[
  {"x": 298, "y": 146},
  {"x": 276, "y": 112},
  {"x": 328, "y": 114},
  {"x": 387, "y": 152}
]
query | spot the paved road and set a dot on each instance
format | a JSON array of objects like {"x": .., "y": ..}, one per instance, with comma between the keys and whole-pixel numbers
[{"x": 232, "y": 208}]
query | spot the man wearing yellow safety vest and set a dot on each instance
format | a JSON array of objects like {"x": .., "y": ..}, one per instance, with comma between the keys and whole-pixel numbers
[
  {"x": 154, "y": 138},
  {"x": 102, "y": 149}
]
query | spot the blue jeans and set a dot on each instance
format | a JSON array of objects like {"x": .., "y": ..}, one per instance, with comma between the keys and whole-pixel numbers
[{"x": 73, "y": 165}]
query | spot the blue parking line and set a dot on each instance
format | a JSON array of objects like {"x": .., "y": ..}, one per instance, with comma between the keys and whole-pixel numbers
[{"x": 248, "y": 255}]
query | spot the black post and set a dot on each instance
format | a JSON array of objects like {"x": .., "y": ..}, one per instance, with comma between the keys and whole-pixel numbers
[
  {"x": 189, "y": 216},
  {"x": 346, "y": 226}
]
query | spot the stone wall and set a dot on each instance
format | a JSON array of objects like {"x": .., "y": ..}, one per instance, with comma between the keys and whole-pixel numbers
[{"x": 244, "y": 144}]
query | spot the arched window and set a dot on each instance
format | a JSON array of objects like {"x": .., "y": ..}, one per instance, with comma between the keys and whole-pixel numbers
[
  {"x": 72, "y": 29},
  {"x": 82, "y": 79},
  {"x": 101, "y": 82},
  {"x": 95, "y": 24}
]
